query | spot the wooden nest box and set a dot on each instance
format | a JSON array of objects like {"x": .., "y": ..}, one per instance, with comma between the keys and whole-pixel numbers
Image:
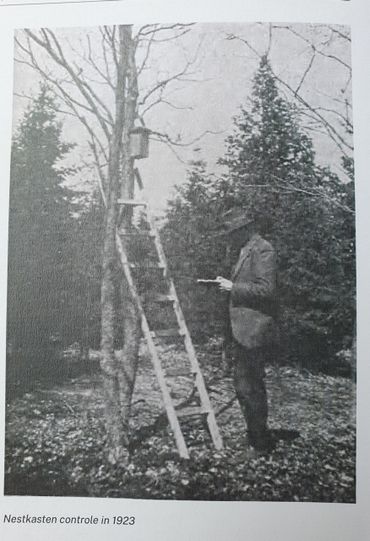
[{"x": 139, "y": 143}]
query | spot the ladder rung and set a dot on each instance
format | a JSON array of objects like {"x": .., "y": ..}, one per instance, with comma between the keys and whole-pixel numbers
[
  {"x": 132, "y": 202},
  {"x": 128, "y": 233},
  {"x": 191, "y": 411},
  {"x": 152, "y": 265},
  {"x": 163, "y": 333},
  {"x": 160, "y": 297},
  {"x": 179, "y": 373}
]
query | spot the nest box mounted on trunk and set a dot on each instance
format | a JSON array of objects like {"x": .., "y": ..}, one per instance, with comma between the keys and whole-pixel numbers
[{"x": 139, "y": 142}]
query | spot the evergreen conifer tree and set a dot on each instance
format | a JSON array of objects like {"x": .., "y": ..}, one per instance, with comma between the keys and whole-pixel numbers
[
  {"x": 270, "y": 171},
  {"x": 41, "y": 237}
]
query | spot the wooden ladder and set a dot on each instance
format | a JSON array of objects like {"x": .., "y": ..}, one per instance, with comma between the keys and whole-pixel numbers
[{"x": 204, "y": 408}]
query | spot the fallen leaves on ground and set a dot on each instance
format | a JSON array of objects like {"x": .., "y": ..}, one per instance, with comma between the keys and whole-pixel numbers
[{"x": 55, "y": 441}]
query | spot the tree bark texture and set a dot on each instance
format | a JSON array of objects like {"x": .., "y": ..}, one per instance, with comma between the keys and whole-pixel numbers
[
  {"x": 117, "y": 435},
  {"x": 131, "y": 319}
]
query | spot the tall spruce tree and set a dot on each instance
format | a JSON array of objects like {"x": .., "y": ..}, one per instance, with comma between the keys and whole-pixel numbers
[
  {"x": 272, "y": 171},
  {"x": 41, "y": 238}
]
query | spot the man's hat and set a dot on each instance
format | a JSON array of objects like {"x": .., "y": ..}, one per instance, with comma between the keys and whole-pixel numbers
[{"x": 234, "y": 219}]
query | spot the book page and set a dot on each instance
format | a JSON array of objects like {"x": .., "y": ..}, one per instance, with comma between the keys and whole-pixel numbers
[{"x": 184, "y": 270}]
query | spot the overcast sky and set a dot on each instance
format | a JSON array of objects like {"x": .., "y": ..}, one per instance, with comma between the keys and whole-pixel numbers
[{"x": 219, "y": 83}]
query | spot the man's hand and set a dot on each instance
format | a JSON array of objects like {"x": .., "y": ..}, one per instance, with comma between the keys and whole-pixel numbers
[{"x": 225, "y": 285}]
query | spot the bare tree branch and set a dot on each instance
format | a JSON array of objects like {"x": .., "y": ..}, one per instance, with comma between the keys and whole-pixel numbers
[
  {"x": 86, "y": 91},
  {"x": 162, "y": 84},
  {"x": 143, "y": 64},
  {"x": 149, "y": 29},
  {"x": 89, "y": 89},
  {"x": 310, "y": 44},
  {"x": 162, "y": 101},
  {"x": 346, "y": 37},
  {"x": 164, "y": 137},
  {"x": 306, "y": 72},
  {"x": 343, "y": 145},
  {"x": 105, "y": 76}
]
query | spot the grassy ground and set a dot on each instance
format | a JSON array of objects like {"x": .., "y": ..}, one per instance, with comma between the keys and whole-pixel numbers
[{"x": 55, "y": 441}]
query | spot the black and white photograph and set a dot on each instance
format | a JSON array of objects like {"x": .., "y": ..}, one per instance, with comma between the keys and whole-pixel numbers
[{"x": 181, "y": 309}]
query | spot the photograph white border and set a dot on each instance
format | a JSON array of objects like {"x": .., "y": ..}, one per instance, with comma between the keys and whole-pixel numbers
[{"x": 216, "y": 521}]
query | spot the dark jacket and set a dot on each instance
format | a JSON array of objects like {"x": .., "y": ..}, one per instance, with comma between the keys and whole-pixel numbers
[{"x": 253, "y": 301}]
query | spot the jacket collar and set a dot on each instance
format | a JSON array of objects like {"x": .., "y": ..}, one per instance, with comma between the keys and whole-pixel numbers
[
  {"x": 254, "y": 238},
  {"x": 245, "y": 251}
]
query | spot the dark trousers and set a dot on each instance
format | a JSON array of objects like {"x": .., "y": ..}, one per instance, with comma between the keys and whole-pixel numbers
[{"x": 249, "y": 374}]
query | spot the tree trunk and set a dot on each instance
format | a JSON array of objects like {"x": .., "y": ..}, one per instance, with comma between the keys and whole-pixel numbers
[
  {"x": 119, "y": 368},
  {"x": 131, "y": 319},
  {"x": 128, "y": 362},
  {"x": 117, "y": 437},
  {"x": 109, "y": 362}
]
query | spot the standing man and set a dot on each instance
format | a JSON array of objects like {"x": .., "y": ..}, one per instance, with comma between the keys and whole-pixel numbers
[{"x": 252, "y": 307}]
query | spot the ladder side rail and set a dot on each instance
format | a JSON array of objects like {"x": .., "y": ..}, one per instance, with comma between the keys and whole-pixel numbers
[
  {"x": 199, "y": 380},
  {"x": 172, "y": 291},
  {"x": 170, "y": 410}
]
